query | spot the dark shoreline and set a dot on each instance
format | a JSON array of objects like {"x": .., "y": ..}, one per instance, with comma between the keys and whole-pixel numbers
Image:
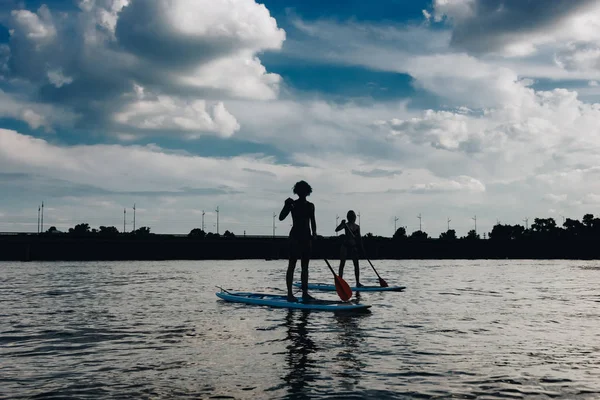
[{"x": 172, "y": 247}]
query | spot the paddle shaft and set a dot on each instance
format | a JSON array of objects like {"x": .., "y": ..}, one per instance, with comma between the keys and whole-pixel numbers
[
  {"x": 331, "y": 269},
  {"x": 374, "y": 269}
]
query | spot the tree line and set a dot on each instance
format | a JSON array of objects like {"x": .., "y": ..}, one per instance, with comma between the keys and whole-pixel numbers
[
  {"x": 541, "y": 228},
  {"x": 84, "y": 229}
]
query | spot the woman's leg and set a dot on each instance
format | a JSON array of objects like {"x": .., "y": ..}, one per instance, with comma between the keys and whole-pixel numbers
[
  {"x": 306, "y": 253},
  {"x": 342, "y": 261},
  {"x": 289, "y": 278},
  {"x": 356, "y": 272}
]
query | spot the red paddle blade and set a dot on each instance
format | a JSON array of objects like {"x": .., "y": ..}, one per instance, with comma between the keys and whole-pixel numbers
[
  {"x": 382, "y": 283},
  {"x": 342, "y": 288}
]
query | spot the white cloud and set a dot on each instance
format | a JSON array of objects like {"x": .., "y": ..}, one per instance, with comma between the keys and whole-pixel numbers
[
  {"x": 58, "y": 79},
  {"x": 168, "y": 113},
  {"x": 516, "y": 28},
  {"x": 192, "y": 55},
  {"x": 555, "y": 198},
  {"x": 591, "y": 198},
  {"x": 461, "y": 183},
  {"x": 150, "y": 175},
  {"x": 35, "y": 115},
  {"x": 36, "y": 27}
]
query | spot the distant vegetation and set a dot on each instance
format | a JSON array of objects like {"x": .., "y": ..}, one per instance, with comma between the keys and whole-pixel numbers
[
  {"x": 541, "y": 228},
  {"x": 103, "y": 231},
  {"x": 544, "y": 239}
]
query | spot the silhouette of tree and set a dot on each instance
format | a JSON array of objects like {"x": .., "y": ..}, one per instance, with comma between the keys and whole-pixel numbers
[
  {"x": 228, "y": 234},
  {"x": 545, "y": 228},
  {"x": 197, "y": 233},
  {"x": 369, "y": 235},
  {"x": 400, "y": 233},
  {"x": 588, "y": 220},
  {"x": 506, "y": 232},
  {"x": 419, "y": 235},
  {"x": 143, "y": 231},
  {"x": 108, "y": 231},
  {"x": 52, "y": 229},
  {"x": 596, "y": 227},
  {"x": 574, "y": 228},
  {"x": 450, "y": 234},
  {"x": 80, "y": 229},
  {"x": 472, "y": 235}
]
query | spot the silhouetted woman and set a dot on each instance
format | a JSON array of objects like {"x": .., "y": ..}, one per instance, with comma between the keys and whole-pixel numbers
[
  {"x": 350, "y": 245},
  {"x": 304, "y": 229}
]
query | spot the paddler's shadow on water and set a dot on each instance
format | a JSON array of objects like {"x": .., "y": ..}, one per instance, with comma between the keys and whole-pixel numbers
[{"x": 301, "y": 369}]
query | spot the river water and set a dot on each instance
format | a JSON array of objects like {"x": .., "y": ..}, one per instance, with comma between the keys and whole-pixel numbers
[{"x": 462, "y": 329}]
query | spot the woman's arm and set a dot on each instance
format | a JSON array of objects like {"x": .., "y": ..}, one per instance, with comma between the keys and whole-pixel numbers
[
  {"x": 287, "y": 207},
  {"x": 341, "y": 226}
]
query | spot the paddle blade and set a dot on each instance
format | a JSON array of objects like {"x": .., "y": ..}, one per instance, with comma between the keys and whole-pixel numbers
[
  {"x": 382, "y": 283},
  {"x": 342, "y": 288}
]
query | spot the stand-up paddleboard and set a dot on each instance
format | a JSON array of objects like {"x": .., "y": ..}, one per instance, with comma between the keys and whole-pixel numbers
[
  {"x": 273, "y": 300},
  {"x": 329, "y": 288}
]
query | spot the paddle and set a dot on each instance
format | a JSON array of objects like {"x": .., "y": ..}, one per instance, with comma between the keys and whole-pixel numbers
[
  {"x": 341, "y": 286},
  {"x": 382, "y": 282}
]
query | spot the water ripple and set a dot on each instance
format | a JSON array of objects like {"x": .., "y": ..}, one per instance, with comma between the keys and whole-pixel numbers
[{"x": 461, "y": 330}]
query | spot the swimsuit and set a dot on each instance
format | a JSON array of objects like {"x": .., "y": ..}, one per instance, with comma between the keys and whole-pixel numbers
[
  {"x": 300, "y": 235},
  {"x": 349, "y": 245}
]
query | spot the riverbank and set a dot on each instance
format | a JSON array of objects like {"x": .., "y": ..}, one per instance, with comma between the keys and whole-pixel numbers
[{"x": 168, "y": 247}]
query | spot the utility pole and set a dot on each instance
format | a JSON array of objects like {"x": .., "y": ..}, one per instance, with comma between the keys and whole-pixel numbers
[
  {"x": 274, "y": 215},
  {"x": 419, "y": 216},
  {"x": 124, "y": 222},
  {"x": 358, "y": 218},
  {"x": 563, "y": 217},
  {"x": 337, "y": 218},
  {"x": 203, "y": 221},
  {"x": 217, "y": 210},
  {"x": 38, "y": 226},
  {"x": 42, "y": 226},
  {"x": 526, "y": 220},
  {"x": 395, "y": 220},
  {"x": 134, "y": 217},
  {"x": 449, "y": 223},
  {"x": 475, "y": 219}
]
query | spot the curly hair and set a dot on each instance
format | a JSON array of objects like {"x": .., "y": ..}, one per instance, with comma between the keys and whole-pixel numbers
[{"x": 302, "y": 188}]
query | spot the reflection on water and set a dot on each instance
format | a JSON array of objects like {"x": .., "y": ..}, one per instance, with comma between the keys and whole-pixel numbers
[
  {"x": 304, "y": 356},
  {"x": 300, "y": 346}
]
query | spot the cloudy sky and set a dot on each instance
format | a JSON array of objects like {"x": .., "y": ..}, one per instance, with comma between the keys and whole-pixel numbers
[{"x": 393, "y": 108}]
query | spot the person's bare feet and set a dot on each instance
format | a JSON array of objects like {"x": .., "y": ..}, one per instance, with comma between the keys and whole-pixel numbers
[
  {"x": 291, "y": 298},
  {"x": 307, "y": 298}
]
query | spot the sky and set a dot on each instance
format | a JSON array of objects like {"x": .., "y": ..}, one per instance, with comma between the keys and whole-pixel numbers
[{"x": 461, "y": 112}]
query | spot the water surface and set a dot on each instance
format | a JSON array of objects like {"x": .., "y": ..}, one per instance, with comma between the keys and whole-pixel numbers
[{"x": 462, "y": 329}]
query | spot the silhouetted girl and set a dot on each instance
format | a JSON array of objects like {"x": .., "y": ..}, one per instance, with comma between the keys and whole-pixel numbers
[
  {"x": 304, "y": 229},
  {"x": 351, "y": 245}
]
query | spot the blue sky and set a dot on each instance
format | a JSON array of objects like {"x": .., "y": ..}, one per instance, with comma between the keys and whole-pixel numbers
[{"x": 447, "y": 109}]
